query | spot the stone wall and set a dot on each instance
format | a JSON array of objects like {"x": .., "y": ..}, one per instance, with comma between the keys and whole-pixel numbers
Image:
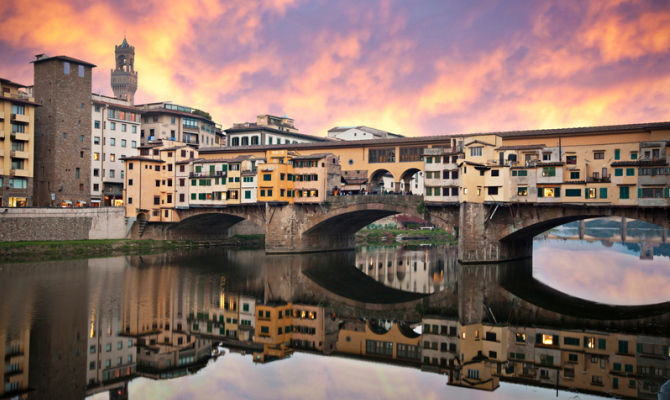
[{"x": 21, "y": 224}]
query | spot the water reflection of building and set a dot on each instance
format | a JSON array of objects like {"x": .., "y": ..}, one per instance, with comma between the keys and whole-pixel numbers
[
  {"x": 373, "y": 339},
  {"x": 284, "y": 327},
  {"x": 427, "y": 270},
  {"x": 15, "y": 354},
  {"x": 478, "y": 355},
  {"x": 110, "y": 357}
]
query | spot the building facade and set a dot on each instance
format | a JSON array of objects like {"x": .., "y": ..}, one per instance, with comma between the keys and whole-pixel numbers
[
  {"x": 115, "y": 135},
  {"x": 62, "y": 86},
  {"x": 171, "y": 122},
  {"x": 359, "y": 133},
  {"x": 17, "y": 141}
]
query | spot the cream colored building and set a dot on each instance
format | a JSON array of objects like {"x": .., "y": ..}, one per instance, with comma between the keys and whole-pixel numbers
[
  {"x": 17, "y": 141},
  {"x": 175, "y": 123}
]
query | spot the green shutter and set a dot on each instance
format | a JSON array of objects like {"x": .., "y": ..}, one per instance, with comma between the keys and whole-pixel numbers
[
  {"x": 539, "y": 192},
  {"x": 639, "y": 193},
  {"x": 557, "y": 191},
  {"x": 618, "y": 172},
  {"x": 666, "y": 192},
  {"x": 617, "y": 154},
  {"x": 603, "y": 193}
]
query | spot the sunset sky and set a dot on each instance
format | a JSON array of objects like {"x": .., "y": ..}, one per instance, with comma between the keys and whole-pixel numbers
[{"x": 415, "y": 68}]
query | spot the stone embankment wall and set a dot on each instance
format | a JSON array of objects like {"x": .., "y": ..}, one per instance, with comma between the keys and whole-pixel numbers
[{"x": 20, "y": 224}]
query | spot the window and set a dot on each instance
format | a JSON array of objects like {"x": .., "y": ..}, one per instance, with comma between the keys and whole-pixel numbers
[
  {"x": 476, "y": 151},
  {"x": 590, "y": 193},
  {"x": 571, "y": 160},
  {"x": 573, "y": 192},
  {"x": 548, "y": 171},
  {"x": 410, "y": 154},
  {"x": 519, "y": 172},
  {"x": 633, "y": 155},
  {"x": 66, "y": 68},
  {"x": 624, "y": 192},
  {"x": 16, "y": 128},
  {"x": 133, "y": 144},
  {"x": 617, "y": 154},
  {"x": 548, "y": 192},
  {"x": 520, "y": 337},
  {"x": 133, "y": 129},
  {"x": 381, "y": 155},
  {"x": 267, "y": 177},
  {"x": 111, "y": 173},
  {"x": 599, "y": 155},
  {"x": 76, "y": 173},
  {"x": 19, "y": 163},
  {"x": 623, "y": 346},
  {"x": 112, "y": 141},
  {"x": 495, "y": 172},
  {"x": 492, "y": 190},
  {"x": 574, "y": 174},
  {"x": 112, "y": 126},
  {"x": 81, "y": 71},
  {"x": 546, "y": 156},
  {"x": 571, "y": 341},
  {"x": 630, "y": 171},
  {"x": 618, "y": 171}
]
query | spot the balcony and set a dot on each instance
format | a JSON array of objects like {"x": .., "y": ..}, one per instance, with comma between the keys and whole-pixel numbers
[
  {"x": 208, "y": 174},
  {"x": 21, "y": 136},
  {"x": 20, "y": 172},
  {"x": 19, "y": 154},
  {"x": 20, "y": 118}
]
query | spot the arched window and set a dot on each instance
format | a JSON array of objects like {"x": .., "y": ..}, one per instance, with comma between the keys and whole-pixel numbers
[
  {"x": 254, "y": 140},
  {"x": 236, "y": 141},
  {"x": 245, "y": 141}
]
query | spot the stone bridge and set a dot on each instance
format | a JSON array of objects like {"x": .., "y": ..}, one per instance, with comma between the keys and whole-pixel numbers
[{"x": 486, "y": 232}]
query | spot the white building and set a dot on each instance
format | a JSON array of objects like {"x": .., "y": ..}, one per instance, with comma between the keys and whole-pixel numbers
[
  {"x": 268, "y": 130},
  {"x": 115, "y": 134},
  {"x": 359, "y": 133}
]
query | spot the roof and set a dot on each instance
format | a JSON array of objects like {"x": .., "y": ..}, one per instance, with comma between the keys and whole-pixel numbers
[
  {"x": 20, "y": 101},
  {"x": 124, "y": 43},
  {"x": 478, "y": 142},
  {"x": 175, "y": 112},
  {"x": 639, "y": 163},
  {"x": 416, "y": 141},
  {"x": 10, "y": 83},
  {"x": 522, "y": 147},
  {"x": 374, "y": 131},
  {"x": 141, "y": 158},
  {"x": 256, "y": 128},
  {"x": 122, "y": 106},
  {"x": 312, "y": 156},
  {"x": 586, "y": 130},
  {"x": 64, "y": 58}
]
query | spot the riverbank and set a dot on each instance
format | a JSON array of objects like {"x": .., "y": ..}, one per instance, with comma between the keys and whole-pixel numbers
[
  {"x": 402, "y": 237},
  {"x": 12, "y": 252}
]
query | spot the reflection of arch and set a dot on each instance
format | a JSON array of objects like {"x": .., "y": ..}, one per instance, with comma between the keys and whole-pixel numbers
[
  {"x": 400, "y": 271},
  {"x": 406, "y": 178},
  {"x": 389, "y": 272},
  {"x": 517, "y": 278},
  {"x": 376, "y": 184}
]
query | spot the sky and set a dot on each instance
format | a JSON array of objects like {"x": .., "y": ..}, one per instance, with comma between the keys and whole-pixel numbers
[
  {"x": 411, "y": 67},
  {"x": 592, "y": 271}
]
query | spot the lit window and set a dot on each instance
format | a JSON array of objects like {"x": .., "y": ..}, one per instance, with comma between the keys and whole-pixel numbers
[
  {"x": 96, "y": 156},
  {"x": 547, "y": 340}
]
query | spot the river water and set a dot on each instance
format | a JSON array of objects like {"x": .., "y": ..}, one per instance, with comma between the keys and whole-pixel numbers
[{"x": 588, "y": 316}]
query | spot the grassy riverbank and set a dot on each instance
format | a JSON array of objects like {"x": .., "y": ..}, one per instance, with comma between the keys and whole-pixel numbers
[
  {"x": 388, "y": 236},
  {"x": 11, "y": 252}
]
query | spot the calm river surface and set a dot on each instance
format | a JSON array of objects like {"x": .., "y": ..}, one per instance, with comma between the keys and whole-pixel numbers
[{"x": 588, "y": 317}]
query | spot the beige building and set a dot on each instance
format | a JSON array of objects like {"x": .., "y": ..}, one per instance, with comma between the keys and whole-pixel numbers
[
  {"x": 170, "y": 122},
  {"x": 268, "y": 130},
  {"x": 17, "y": 140}
]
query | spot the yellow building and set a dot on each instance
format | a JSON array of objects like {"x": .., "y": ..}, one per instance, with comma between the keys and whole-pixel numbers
[
  {"x": 275, "y": 178},
  {"x": 315, "y": 176},
  {"x": 17, "y": 134},
  {"x": 273, "y": 329}
]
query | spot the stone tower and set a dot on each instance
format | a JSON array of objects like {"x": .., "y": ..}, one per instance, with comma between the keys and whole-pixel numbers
[{"x": 124, "y": 77}]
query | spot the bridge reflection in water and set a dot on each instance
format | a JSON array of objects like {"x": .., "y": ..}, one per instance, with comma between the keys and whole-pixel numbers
[{"x": 77, "y": 328}]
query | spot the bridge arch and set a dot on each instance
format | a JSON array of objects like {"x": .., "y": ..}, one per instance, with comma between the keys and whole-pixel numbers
[
  {"x": 406, "y": 179},
  {"x": 376, "y": 184},
  {"x": 494, "y": 233}
]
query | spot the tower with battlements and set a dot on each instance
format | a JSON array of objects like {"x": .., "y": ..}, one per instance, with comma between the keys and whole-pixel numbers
[{"x": 124, "y": 76}]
